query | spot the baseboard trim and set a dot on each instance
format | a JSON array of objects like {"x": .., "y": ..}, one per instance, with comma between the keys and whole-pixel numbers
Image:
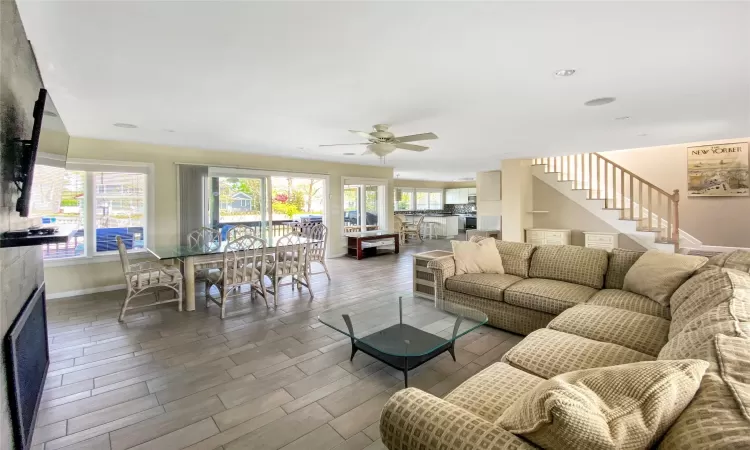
[
  {"x": 336, "y": 256},
  {"x": 66, "y": 294}
]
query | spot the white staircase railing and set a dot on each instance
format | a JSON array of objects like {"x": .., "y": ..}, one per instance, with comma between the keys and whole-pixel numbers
[{"x": 653, "y": 208}]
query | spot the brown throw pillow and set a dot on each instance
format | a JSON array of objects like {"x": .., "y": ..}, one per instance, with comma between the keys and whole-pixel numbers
[
  {"x": 657, "y": 275},
  {"x": 477, "y": 257},
  {"x": 629, "y": 406}
]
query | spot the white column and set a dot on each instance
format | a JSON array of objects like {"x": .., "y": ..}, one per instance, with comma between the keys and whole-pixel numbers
[{"x": 517, "y": 198}]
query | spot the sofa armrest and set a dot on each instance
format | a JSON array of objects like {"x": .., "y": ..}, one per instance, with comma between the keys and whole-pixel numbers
[
  {"x": 414, "y": 419},
  {"x": 442, "y": 269}
]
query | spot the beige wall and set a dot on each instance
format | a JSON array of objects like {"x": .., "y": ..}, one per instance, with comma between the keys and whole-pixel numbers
[
  {"x": 566, "y": 214},
  {"x": 517, "y": 198},
  {"x": 90, "y": 276},
  {"x": 719, "y": 221}
]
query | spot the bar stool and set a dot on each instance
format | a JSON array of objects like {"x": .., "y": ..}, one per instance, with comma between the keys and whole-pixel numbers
[{"x": 429, "y": 230}]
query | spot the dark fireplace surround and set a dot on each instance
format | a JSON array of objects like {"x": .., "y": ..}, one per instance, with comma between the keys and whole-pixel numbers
[{"x": 27, "y": 359}]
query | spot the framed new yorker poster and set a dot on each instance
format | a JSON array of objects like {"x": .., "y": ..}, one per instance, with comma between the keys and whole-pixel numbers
[{"x": 719, "y": 170}]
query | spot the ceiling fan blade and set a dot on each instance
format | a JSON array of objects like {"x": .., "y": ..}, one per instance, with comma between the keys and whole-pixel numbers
[
  {"x": 367, "y": 152},
  {"x": 363, "y": 134},
  {"x": 416, "y": 148},
  {"x": 417, "y": 137},
  {"x": 335, "y": 145}
]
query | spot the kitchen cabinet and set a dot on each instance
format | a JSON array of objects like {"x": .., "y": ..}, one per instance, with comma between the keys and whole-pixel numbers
[
  {"x": 457, "y": 196},
  {"x": 473, "y": 191}
]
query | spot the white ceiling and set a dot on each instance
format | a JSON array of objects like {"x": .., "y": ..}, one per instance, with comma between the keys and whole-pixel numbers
[{"x": 276, "y": 77}]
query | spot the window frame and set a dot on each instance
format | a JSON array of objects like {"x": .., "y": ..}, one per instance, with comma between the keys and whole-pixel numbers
[
  {"x": 382, "y": 184},
  {"x": 90, "y": 167},
  {"x": 415, "y": 191}
]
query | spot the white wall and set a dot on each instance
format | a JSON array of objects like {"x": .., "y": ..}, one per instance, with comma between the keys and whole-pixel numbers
[{"x": 489, "y": 199}]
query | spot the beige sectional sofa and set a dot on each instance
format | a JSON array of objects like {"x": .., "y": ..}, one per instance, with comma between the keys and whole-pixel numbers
[{"x": 570, "y": 303}]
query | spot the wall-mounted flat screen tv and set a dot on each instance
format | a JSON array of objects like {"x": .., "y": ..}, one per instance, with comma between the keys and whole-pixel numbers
[{"x": 41, "y": 168}]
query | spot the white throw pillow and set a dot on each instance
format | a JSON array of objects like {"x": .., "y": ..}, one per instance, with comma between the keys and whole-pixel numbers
[
  {"x": 477, "y": 257},
  {"x": 657, "y": 275}
]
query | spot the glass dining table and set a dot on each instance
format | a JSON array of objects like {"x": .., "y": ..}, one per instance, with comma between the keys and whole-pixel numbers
[{"x": 202, "y": 256}]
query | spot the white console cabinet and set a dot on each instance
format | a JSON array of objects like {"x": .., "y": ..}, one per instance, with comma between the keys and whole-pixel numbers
[
  {"x": 543, "y": 236},
  {"x": 602, "y": 239}
]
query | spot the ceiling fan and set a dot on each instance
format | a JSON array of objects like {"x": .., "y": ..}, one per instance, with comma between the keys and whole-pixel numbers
[{"x": 382, "y": 142}]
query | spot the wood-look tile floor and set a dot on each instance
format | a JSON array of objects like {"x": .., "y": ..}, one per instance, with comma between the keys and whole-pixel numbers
[{"x": 263, "y": 379}]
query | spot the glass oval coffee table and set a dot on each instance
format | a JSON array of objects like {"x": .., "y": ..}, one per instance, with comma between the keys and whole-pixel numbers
[{"x": 403, "y": 331}]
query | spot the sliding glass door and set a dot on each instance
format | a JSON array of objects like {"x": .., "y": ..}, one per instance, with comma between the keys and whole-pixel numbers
[
  {"x": 239, "y": 200},
  {"x": 271, "y": 203}
]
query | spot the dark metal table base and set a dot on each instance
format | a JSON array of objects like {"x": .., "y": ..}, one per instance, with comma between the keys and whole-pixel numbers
[{"x": 402, "y": 363}]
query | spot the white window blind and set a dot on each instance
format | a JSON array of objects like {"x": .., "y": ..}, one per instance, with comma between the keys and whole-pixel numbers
[
  {"x": 70, "y": 211},
  {"x": 119, "y": 209}
]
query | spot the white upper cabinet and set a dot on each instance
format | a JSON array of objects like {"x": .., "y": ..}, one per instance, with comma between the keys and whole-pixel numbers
[{"x": 457, "y": 196}]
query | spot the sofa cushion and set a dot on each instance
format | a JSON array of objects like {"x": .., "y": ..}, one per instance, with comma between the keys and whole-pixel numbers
[
  {"x": 640, "y": 332},
  {"x": 657, "y": 275},
  {"x": 579, "y": 265},
  {"x": 629, "y": 301},
  {"x": 503, "y": 315},
  {"x": 484, "y": 285},
  {"x": 729, "y": 319},
  {"x": 620, "y": 261},
  {"x": 719, "y": 415},
  {"x": 546, "y": 353},
  {"x": 516, "y": 257},
  {"x": 628, "y": 406},
  {"x": 550, "y": 296},
  {"x": 706, "y": 291},
  {"x": 477, "y": 257},
  {"x": 737, "y": 260},
  {"x": 491, "y": 391}
]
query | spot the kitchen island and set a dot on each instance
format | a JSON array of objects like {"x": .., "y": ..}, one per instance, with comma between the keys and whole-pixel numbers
[{"x": 446, "y": 225}]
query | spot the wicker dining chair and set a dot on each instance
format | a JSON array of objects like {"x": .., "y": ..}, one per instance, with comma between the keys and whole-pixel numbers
[
  {"x": 207, "y": 238},
  {"x": 316, "y": 249},
  {"x": 237, "y": 231},
  {"x": 399, "y": 227},
  {"x": 290, "y": 260},
  {"x": 148, "y": 278},
  {"x": 244, "y": 263},
  {"x": 414, "y": 229}
]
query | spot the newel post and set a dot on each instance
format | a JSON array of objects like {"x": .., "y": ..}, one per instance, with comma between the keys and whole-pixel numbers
[{"x": 676, "y": 233}]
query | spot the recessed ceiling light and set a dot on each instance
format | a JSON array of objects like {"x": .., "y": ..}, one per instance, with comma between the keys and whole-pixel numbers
[
  {"x": 50, "y": 114},
  {"x": 643, "y": 134},
  {"x": 168, "y": 130},
  {"x": 349, "y": 154},
  {"x": 622, "y": 118},
  {"x": 564, "y": 72},
  {"x": 600, "y": 101},
  {"x": 125, "y": 125}
]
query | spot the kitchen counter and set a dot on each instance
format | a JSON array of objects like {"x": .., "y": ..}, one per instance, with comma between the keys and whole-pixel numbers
[{"x": 446, "y": 225}]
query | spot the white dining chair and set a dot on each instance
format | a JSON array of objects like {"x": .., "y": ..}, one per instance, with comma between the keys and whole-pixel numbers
[
  {"x": 238, "y": 231},
  {"x": 244, "y": 264},
  {"x": 290, "y": 260},
  {"x": 148, "y": 278},
  {"x": 207, "y": 238},
  {"x": 316, "y": 249}
]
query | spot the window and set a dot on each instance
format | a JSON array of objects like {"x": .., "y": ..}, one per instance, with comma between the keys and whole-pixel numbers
[
  {"x": 364, "y": 205},
  {"x": 119, "y": 209},
  {"x": 410, "y": 199},
  {"x": 69, "y": 212},
  {"x": 101, "y": 202},
  {"x": 404, "y": 199}
]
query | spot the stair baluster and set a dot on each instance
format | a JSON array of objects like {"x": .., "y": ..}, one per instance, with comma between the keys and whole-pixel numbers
[{"x": 599, "y": 175}]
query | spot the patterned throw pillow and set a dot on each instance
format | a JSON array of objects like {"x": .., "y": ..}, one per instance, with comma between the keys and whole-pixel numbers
[
  {"x": 629, "y": 406},
  {"x": 657, "y": 275},
  {"x": 477, "y": 257}
]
